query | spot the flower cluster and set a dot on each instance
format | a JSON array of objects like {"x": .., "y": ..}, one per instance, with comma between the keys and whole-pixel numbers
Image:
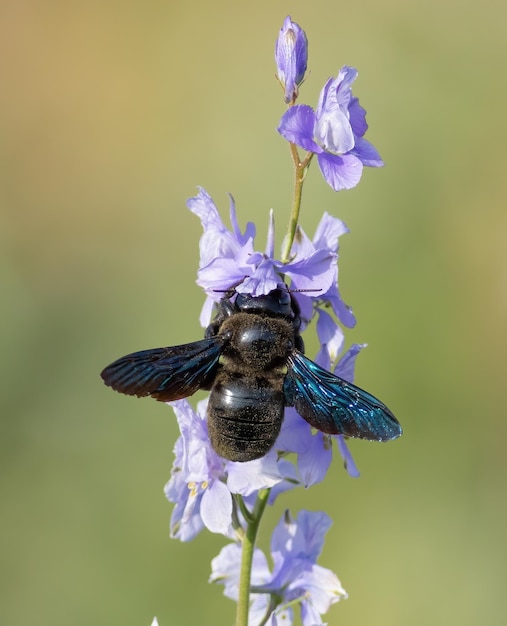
[
  {"x": 221, "y": 495},
  {"x": 335, "y": 130},
  {"x": 203, "y": 486},
  {"x": 234, "y": 261},
  {"x": 296, "y": 579}
]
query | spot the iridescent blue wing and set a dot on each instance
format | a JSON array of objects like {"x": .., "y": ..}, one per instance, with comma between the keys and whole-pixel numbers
[
  {"x": 166, "y": 373},
  {"x": 335, "y": 406}
]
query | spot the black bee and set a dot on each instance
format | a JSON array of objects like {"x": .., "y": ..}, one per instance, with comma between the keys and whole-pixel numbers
[{"x": 252, "y": 361}]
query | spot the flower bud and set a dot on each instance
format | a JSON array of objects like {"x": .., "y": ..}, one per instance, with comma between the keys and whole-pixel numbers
[{"x": 291, "y": 56}]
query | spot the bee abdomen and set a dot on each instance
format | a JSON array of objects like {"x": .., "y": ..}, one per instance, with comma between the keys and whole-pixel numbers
[{"x": 244, "y": 417}]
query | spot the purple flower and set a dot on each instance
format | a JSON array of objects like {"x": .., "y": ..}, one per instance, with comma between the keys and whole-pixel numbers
[
  {"x": 326, "y": 239},
  {"x": 296, "y": 579},
  {"x": 334, "y": 131},
  {"x": 217, "y": 242},
  {"x": 197, "y": 483},
  {"x": 228, "y": 260},
  {"x": 202, "y": 482},
  {"x": 291, "y": 56}
]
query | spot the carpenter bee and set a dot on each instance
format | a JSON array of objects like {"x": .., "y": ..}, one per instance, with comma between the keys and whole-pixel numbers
[{"x": 252, "y": 361}]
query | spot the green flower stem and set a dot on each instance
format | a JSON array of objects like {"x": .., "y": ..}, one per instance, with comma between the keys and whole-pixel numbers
[
  {"x": 247, "y": 557},
  {"x": 271, "y": 607},
  {"x": 300, "y": 169}
]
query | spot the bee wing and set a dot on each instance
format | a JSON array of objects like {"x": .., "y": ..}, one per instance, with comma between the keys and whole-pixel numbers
[
  {"x": 166, "y": 373},
  {"x": 335, "y": 406}
]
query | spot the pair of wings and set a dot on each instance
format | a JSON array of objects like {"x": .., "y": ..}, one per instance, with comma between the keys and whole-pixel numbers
[{"x": 325, "y": 401}]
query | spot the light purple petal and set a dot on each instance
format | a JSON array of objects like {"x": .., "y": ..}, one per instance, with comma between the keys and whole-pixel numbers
[
  {"x": 262, "y": 279},
  {"x": 342, "y": 311},
  {"x": 270, "y": 239},
  {"x": 330, "y": 335},
  {"x": 323, "y": 359},
  {"x": 186, "y": 521},
  {"x": 203, "y": 206},
  {"x": 245, "y": 478},
  {"x": 302, "y": 246},
  {"x": 216, "y": 240},
  {"x": 225, "y": 569},
  {"x": 332, "y": 130},
  {"x": 328, "y": 231},
  {"x": 324, "y": 588},
  {"x": 343, "y": 85},
  {"x": 295, "y": 433},
  {"x": 357, "y": 118},
  {"x": 302, "y": 537},
  {"x": 297, "y": 126},
  {"x": 291, "y": 479},
  {"x": 314, "y": 272},
  {"x": 323, "y": 96},
  {"x": 346, "y": 365},
  {"x": 223, "y": 273},
  {"x": 259, "y": 603},
  {"x": 314, "y": 462},
  {"x": 207, "y": 311},
  {"x": 250, "y": 227},
  {"x": 340, "y": 172},
  {"x": 199, "y": 462},
  {"x": 309, "y": 614},
  {"x": 348, "y": 461},
  {"x": 367, "y": 153},
  {"x": 312, "y": 527},
  {"x": 220, "y": 275},
  {"x": 320, "y": 589},
  {"x": 216, "y": 508}
]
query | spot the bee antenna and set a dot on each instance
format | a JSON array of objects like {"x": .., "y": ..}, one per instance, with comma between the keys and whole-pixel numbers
[{"x": 231, "y": 290}]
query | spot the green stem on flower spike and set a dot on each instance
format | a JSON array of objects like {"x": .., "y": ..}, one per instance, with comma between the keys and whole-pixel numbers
[
  {"x": 271, "y": 607},
  {"x": 300, "y": 167},
  {"x": 247, "y": 557},
  {"x": 242, "y": 507}
]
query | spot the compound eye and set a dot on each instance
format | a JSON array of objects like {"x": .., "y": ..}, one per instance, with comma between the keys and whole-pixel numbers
[{"x": 242, "y": 299}]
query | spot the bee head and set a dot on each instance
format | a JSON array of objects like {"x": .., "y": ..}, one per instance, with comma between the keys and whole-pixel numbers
[{"x": 276, "y": 303}]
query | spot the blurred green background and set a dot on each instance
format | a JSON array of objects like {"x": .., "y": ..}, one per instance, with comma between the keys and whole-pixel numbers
[{"x": 111, "y": 114}]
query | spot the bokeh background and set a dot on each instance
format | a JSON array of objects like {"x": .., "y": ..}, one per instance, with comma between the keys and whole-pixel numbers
[{"x": 111, "y": 114}]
